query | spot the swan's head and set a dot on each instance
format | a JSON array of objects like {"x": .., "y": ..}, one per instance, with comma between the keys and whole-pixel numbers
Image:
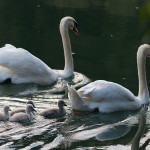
[
  {"x": 69, "y": 22},
  {"x": 144, "y": 49},
  {"x": 6, "y": 108}
]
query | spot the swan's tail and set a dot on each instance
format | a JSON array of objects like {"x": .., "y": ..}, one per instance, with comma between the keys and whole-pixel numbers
[
  {"x": 72, "y": 93},
  {"x": 75, "y": 99}
]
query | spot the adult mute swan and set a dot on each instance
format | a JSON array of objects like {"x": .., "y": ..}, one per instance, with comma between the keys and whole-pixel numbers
[
  {"x": 20, "y": 66},
  {"x": 108, "y": 96}
]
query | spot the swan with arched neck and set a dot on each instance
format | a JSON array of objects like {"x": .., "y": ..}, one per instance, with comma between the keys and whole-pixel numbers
[
  {"x": 20, "y": 66},
  {"x": 108, "y": 96}
]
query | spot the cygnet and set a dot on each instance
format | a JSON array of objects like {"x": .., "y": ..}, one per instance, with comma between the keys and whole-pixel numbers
[
  {"x": 55, "y": 112},
  {"x": 24, "y": 117},
  {"x": 5, "y": 114},
  {"x": 21, "y": 109}
]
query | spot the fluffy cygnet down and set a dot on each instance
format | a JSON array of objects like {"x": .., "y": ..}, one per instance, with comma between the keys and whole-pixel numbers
[
  {"x": 24, "y": 117},
  {"x": 21, "y": 109},
  {"x": 5, "y": 114},
  {"x": 55, "y": 112}
]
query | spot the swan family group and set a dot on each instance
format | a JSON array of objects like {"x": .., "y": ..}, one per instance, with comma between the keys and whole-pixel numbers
[{"x": 20, "y": 66}]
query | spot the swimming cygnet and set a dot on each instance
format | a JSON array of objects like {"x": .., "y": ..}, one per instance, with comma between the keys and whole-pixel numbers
[
  {"x": 21, "y": 109},
  {"x": 5, "y": 115},
  {"x": 55, "y": 112},
  {"x": 24, "y": 117}
]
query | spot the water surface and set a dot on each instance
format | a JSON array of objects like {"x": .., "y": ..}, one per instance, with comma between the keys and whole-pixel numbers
[{"x": 110, "y": 34}]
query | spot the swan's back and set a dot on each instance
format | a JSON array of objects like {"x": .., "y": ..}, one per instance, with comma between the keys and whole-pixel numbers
[
  {"x": 103, "y": 91},
  {"x": 12, "y": 58},
  {"x": 24, "y": 67}
]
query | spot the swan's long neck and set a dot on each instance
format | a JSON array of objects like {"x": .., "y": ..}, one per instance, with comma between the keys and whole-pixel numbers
[
  {"x": 69, "y": 67},
  {"x": 137, "y": 137},
  {"x": 143, "y": 94}
]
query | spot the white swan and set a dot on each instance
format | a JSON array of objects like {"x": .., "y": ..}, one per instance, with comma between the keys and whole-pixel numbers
[
  {"x": 108, "y": 96},
  {"x": 20, "y": 66}
]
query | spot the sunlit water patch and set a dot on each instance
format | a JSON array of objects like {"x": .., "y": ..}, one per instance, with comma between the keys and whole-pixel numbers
[
  {"x": 68, "y": 132},
  {"x": 40, "y": 131}
]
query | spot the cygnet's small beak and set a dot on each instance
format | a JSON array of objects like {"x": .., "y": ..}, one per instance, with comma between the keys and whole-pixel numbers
[
  {"x": 65, "y": 104},
  {"x": 9, "y": 109},
  {"x": 34, "y": 106},
  {"x": 34, "y": 110}
]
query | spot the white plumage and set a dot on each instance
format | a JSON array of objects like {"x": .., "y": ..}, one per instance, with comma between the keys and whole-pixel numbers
[
  {"x": 108, "y": 96},
  {"x": 21, "y": 66}
]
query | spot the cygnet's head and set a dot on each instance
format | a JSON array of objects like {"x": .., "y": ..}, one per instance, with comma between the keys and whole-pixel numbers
[
  {"x": 69, "y": 22},
  {"x": 6, "y": 108},
  {"x": 61, "y": 104},
  {"x": 31, "y": 102},
  {"x": 30, "y": 108}
]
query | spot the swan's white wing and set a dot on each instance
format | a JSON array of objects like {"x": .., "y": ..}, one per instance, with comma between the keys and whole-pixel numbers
[
  {"x": 23, "y": 65},
  {"x": 101, "y": 90},
  {"x": 18, "y": 58}
]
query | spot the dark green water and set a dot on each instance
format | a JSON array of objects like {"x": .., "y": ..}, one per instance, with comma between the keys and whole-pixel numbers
[{"x": 110, "y": 34}]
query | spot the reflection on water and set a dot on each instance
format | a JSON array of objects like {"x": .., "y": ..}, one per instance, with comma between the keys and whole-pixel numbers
[
  {"x": 66, "y": 132},
  {"x": 29, "y": 90},
  {"x": 110, "y": 33}
]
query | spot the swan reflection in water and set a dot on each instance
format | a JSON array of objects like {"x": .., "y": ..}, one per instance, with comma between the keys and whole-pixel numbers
[
  {"x": 107, "y": 130},
  {"x": 137, "y": 137}
]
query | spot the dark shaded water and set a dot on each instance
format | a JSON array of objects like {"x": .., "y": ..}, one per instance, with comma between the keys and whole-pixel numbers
[{"x": 110, "y": 34}]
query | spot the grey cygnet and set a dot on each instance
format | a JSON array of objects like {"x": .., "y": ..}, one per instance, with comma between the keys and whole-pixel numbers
[
  {"x": 21, "y": 109},
  {"x": 55, "y": 112},
  {"x": 5, "y": 114},
  {"x": 24, "y": 117}
]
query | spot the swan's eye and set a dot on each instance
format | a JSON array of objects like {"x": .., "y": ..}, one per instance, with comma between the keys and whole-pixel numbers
[{"x": 75, "y": 24}]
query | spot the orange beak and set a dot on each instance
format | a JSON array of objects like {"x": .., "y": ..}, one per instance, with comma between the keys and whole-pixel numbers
[{"x": 76, "y": 30}]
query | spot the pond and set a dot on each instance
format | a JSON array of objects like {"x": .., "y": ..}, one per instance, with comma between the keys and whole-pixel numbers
[{"x": 110, "y": 34}]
